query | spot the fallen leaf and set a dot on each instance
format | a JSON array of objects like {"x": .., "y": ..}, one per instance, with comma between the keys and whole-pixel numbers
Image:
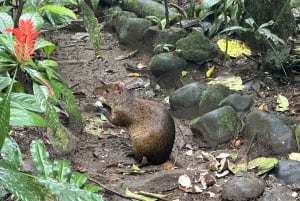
[
  {"x": 264, "y": 107},
  {"x": 262, "y": 165},
  {"x": 184, "y": 181},
  {"x": 141, "y": 65},
  {"x": 294, "y": 156},
  {"x": 184, "y": 73},
  {"x": 134, "y": 169},
  {"x": 210, "y": 71},
  {"x": 282, "y": 103},
  {"x": 232, "y": 82},
  {"x": 133, "y": 75},
  {"x": 235, "y": 48},
  {"x": 167, "y": 165},
  {"x": 138, "y": 196}
]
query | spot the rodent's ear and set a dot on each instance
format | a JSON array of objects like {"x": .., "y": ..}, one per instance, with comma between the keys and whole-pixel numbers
[{"x": 119, "y": 86}]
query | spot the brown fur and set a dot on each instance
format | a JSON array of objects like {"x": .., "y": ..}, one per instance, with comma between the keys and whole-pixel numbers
[{"x": 149, "y": 124}]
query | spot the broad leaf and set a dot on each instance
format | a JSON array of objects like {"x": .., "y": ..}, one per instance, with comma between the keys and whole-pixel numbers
[
  {"x": 4, "y": 119},
  {"x": 61, "y": 170},
  {"x": 47, "y": 46},
  {"x": 22, "y": 117},
  {"x": 36, "y": 18},
  {"x": 66, "y": 192},
  {"x": 5, "y": 21},
  {"x": 25, "y": 101},
  {"x": 24, "y": 186},
  {"x": 11, "y": 152},
  {"x": 4, "y": 82},
  {"x": 57, "y": 9},
  {"x": 78, "y": 179},
  {"x": 40, "y": 157},
  {"x": 207, "y": 4}
]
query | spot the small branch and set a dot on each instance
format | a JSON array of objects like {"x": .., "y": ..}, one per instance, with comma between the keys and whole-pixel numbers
[{"x": 20, "y": 5}]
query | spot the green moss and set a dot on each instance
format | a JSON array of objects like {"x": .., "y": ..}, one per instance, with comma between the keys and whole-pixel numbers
[{"x": 228, "y": 118}]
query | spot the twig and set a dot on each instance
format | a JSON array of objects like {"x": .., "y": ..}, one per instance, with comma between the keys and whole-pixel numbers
[{"x": 111, "y": 190}]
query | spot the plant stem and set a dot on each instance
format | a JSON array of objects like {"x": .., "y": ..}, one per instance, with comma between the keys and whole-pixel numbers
[{"x": 167, "y": 13}]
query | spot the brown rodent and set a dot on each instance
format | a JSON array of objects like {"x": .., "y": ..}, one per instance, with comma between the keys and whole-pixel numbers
[{"x": 149, "y": 124}]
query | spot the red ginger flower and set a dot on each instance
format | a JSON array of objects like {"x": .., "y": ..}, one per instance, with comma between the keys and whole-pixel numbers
[{"x": 25, "y": 36}]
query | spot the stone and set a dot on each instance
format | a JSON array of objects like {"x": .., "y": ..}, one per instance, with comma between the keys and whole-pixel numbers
[
  {"x": 184, "y": 102},
  {"x": 288, "y": 172},
  {"x": 166, "y": 62},
  {"x": 272, "y": 135},
  {"x": 215, "y": 127},
  {"x": 154, "y": 36},
  {"x": 114, "y": 15},
  {"x": 131, "y": 31},
  {"x": 196, "y": 47},
  {"x": 239, "y": 102},
  {"x": 212, "y": 97},
  {"x": 242, "y": 187},
  {"x": 279, "y": 193}
]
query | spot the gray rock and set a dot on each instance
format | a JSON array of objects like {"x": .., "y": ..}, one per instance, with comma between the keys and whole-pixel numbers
[
  {"x": 212, "y": 97},
  {"x": 273, "y": 136},
  {"x": 243, "y": 186},
  {"x": 288, "y": 172},
  {"x": 215, "y": 127},
  {"x": 279, "y": 193},
  {"x": 155, "y": 36},
  {"x": 196, "y": 47},
  {"x": 114, "y": 15},
  {"x": 185, "y": 100},
  {"x": 166, "y": 62},
  {"x": 167, "y": 67},
  {"x": 131, "y": 30},
  {"x": 238, "y": 102}
]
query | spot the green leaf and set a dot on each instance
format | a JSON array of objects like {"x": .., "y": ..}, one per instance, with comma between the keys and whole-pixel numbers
[
  {"x": 67, "y": 99},
  {"x": 40, "y": 157},
  {"x": 4, "y": 82},
  {"x": 25, "y": 101},
  {"x": 92, "y": 26},
  {"x": 163, "y": 24},
  {"x": 62, "y": 170},
  {"x": 5, "y": 22},
  {"x": 269, "y": 23},
  {"x": 4, "y": 57},
  {"x": 4, "y": 119},
  {"x": 66, "y": 192},
  {"x": 57, "y": 9},
  {"x": 22, "y": 117},
  {"x": 24, "y": 186},
  {"x": 78, "y": 179},
  {"x": 47, "y": 46},
  {"x": 297, "y": 134},
  {"x": 92, "y": 188},
  {"x": 207, "y": 4},
  {"x": 235, "y": 28},
  {"x": 47, "y": 63},
  {"x": 11, "y": 152},
  {"x": 36, "y": 19}
]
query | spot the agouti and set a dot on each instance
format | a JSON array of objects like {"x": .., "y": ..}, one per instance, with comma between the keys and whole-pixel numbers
[{"x": 149, "y": 124}]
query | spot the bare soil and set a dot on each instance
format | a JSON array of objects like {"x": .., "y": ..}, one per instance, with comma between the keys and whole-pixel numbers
[{"x": 102, "y": 148}]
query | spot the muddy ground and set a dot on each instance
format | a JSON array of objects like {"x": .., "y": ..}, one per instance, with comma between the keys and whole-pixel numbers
[{"x": 104, "y": 153}]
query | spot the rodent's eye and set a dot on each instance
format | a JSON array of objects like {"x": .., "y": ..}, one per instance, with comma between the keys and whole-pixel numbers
[{"x": 107, "y": 91}]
